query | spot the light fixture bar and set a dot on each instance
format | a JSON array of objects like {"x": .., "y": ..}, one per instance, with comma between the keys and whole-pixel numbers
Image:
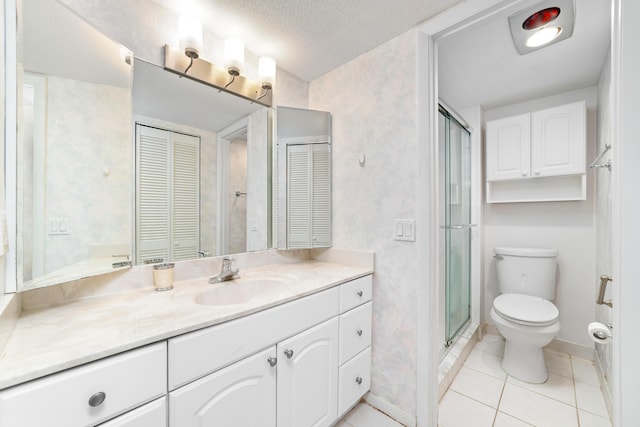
[{"x": 205, "y": 72}]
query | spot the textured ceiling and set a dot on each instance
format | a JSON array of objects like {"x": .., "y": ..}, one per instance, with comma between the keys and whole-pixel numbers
[
  {"x": 480, "y": 65},
  {"x": 309, "y": 38}
]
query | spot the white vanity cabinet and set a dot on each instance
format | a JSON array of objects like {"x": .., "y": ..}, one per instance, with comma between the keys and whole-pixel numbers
[
  {"x": 91, "y": 393},
  {"x": 308, "y": 377},
  {"x": 282, "y": 367},
  {"x": 153, "y": 414},
  {"x": 240, "y": 395},
  {"x": 354, "y": 373},
  {"x": 547, "y": 145}
]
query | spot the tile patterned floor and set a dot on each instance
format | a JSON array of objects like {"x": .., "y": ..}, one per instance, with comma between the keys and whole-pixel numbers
[
  {"x": 483, "y": 395},
  {"x": 364, "y": 415}
]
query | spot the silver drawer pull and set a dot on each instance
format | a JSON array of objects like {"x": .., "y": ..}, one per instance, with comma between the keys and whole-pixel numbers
[
  {"x": 288, "y": 353},
  {"x": 359, "y": 332},
  {"x": 359, "y": 380},
  {"x": 360, "y": 293},
  {"x": 97, "y": 399},
  {"x": 272, "y": 361}
]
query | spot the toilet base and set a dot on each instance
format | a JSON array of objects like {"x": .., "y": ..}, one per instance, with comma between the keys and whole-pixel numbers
[{"x": 525, "y": 363}]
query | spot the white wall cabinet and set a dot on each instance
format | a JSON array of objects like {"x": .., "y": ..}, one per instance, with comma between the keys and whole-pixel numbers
[{"x": 537, "y": 156}]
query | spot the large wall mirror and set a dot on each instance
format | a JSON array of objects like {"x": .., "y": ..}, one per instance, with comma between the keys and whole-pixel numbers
[
  {"x": 74, "y": 161},
  {"x": 115, "y": 166}
]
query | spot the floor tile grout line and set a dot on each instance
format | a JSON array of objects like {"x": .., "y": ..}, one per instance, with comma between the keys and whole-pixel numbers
[
  {"x": 495, "y": 416},
  {"x": 471, "y": 398},
  {"x": 549, "y": 397},
  {"x": 575, "y": 393}
]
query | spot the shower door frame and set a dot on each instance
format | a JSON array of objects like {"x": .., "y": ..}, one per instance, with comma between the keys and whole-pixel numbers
[{"x": 462, "y": 225}]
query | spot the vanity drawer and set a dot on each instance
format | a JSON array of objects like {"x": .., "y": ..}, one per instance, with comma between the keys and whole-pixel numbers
[
  {"x": 126, "y": 380},
  {"x": 355, "y": 293},
  {"x": 354, "y": 380},
  {"x": 355, "y": 331},
  {"x": 193, "y": 355}
]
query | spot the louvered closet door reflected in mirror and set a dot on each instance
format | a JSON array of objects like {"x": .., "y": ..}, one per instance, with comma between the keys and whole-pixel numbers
[
  {"x": 303, "y": 184},
  {"x": 167, "y": 195}
]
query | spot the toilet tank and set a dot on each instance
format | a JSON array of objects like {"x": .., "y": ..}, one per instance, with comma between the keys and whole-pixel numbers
[{"x": 526, "y": 271}]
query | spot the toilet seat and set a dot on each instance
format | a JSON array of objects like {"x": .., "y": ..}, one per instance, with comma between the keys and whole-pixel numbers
[{"x": 526, "y": 309}]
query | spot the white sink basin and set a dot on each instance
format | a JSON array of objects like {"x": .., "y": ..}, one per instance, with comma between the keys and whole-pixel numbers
[{"x": 244, "y": 290}]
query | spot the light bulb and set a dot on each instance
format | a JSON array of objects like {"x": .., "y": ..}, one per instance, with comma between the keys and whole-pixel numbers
[
  {"x": 267, "y": 72},
  {"x": 190, "y": 33},
  {"x": 234, "y": 56},
  {"x": 543, "y": 36}
]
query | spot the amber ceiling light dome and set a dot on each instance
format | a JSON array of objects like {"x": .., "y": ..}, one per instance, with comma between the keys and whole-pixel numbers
[{"x": 541, "y": 25}]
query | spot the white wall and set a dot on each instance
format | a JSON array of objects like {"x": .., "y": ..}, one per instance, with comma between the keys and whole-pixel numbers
[
  {"x": 373, "y": 108},
  {"x": 568, "y": 227}
]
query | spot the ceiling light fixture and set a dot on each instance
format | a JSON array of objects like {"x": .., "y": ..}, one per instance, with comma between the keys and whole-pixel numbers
[{"x": 547, "y": 22}]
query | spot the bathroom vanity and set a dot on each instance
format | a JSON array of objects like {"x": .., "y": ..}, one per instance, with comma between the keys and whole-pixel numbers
[{"x": 285, "y": 345}]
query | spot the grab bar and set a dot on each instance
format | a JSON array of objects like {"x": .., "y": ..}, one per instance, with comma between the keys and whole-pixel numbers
[
  {"x": 596, "y": 164},
  {"x": 604, "y": 280}
]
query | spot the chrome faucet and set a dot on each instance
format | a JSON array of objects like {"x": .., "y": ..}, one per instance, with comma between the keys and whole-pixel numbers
[{"x": 227, "y": 272}]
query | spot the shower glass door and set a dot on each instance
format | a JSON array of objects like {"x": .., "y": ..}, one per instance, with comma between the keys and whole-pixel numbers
[{"x": 457, "y": 224}]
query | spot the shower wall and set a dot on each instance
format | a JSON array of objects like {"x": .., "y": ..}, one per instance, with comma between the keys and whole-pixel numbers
[{"x": 604, "y": 314}]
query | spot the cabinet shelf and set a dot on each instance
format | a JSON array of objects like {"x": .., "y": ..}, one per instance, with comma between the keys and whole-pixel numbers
[{"x": 548, "y": 189}]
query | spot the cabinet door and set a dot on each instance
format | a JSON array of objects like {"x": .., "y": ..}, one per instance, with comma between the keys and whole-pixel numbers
[
  {"x": 307, "y": 377},
  {"x": 509, "y": 148},
  {"x": 240, "y": 395},
  {"x": 558, "y": 141},
  {"x": 152, "y": 414}
]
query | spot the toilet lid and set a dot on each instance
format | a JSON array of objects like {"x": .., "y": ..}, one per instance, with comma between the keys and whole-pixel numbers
[{"x": 526, "y": 309}]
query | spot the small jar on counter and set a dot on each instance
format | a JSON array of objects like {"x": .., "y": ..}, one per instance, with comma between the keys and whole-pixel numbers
[{"x": 163, "y": 276}]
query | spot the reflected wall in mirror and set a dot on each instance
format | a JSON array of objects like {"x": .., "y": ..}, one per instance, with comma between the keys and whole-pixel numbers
[
  {"x": 184, "y": 126},
  {"x": 74, "y": 157}
]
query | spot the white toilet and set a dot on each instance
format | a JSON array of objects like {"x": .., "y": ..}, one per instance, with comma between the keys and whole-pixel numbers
[{"x": 524, "y": 313}]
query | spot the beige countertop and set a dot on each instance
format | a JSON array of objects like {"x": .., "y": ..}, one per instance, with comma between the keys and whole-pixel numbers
[{"x": 52, "y": 339}]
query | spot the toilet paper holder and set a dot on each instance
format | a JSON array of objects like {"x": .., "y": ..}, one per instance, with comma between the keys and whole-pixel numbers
[{"x": 604, "y": 280}]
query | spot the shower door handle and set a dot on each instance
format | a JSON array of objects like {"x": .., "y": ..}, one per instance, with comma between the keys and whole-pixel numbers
[{"x": 458, "y": 227}]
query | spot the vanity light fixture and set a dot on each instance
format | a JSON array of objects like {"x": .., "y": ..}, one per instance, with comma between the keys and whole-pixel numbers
[
  {"x": 547, "y": 22},
  {"x": 190, "y": 36},
  {"x": 181, "y": 61},
  {"x": 266, "y": 74}
]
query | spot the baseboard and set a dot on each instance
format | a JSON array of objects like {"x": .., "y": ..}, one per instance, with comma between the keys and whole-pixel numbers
[{"x": 391, "y": 410}]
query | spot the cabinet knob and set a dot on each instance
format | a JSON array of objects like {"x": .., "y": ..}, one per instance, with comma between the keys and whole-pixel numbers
[
  {"x": 272, "y": 361},
  {"x": 360, "y": 293},
  {"x": 288, "y": 353},
  {"x": 97, "y": 399},
  {"x": 359, "y": 332},
  {"x": 537, "y": 172},
  {"x": 359, "y": 380},
  {"x": 524, "y": 173}
]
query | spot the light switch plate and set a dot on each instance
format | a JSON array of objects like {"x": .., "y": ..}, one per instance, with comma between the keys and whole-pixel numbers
[{"x": 405, "y": 230}]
